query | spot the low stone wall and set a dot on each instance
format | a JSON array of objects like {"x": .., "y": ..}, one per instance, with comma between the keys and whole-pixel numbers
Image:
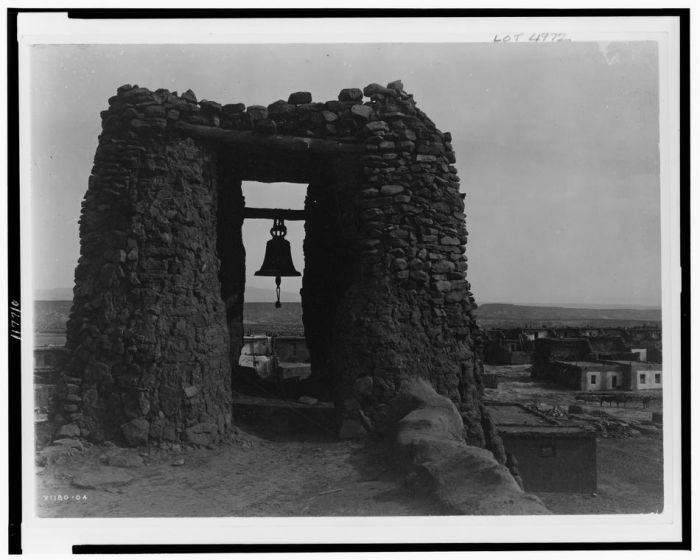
[{"x": 466, "y": 480}]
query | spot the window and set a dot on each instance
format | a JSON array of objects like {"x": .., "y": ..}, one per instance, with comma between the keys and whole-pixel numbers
[
  {"x": 642, "y": 379},
  {"x": 594, "y": 379},
  {"x": 657, "y": 378},
  {"x": 613, "y": 382}
]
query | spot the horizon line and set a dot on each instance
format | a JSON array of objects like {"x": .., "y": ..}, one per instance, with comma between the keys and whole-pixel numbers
[{"x": 567, "y": 305}]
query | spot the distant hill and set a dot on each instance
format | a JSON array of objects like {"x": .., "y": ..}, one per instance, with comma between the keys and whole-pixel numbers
[
  {"x": 260, "y": 317},
  {"x": 51, "y": 317},
  {"x": 54, "y": 294},
  {"x": 509, "y": 315}
]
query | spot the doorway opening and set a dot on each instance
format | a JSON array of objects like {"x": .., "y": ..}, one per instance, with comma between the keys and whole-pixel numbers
[
  {"x": 284, "y": 354},
  {"x": 274, "y": 360}
]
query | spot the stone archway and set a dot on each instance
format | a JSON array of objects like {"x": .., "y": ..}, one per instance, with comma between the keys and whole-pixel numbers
[{"x": 158, "y": 297}]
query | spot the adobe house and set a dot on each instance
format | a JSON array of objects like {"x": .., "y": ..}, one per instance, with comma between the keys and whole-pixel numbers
[
  {"x": 550, "y": 350},
  {"x": 588, "y": 376},
  {"x": 569, "y": 332},
  {"x": 509, "y": 347},
  {"x": 640, "y": 354},
  {"x": 157, "y": 319},
  {"x": 639, "y": 376},
  {"x": 48, "y": 360},
  {"x": 551, "y": 457},
  {"x": 610, "y": 348},
  {"x": 645, "y": 342}
]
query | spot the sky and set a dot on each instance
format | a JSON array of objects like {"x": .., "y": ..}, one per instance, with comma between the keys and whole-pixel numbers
[{"x": 556, "y": 146}]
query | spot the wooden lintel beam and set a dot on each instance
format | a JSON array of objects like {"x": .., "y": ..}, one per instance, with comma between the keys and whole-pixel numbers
[
  {"x": 276, "y": 141},
  {"x": 272, "y": 213}
]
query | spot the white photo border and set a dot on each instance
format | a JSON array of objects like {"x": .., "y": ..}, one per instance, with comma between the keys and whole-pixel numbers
[{"x": 48, "y": 535}]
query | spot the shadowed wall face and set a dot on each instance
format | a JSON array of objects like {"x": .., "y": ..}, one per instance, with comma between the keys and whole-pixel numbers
[
  {"x": 156, "y": 324},
  {"x": 147, "y": 336}
]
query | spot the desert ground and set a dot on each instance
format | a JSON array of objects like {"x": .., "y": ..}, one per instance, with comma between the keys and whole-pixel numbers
[
  {"x": 267, "y": 469},
  {"x": 270, "y": 469}
]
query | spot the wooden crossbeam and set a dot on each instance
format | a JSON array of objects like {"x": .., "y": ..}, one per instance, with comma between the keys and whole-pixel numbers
[
  {"x": 273, "y": 213},
  {"x": 278, "y": 141}
]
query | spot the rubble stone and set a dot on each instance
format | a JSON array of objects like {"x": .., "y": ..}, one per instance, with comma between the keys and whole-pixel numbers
[
  {"x": 350, "y": 94},
  {"x": 300, "y": 97}
]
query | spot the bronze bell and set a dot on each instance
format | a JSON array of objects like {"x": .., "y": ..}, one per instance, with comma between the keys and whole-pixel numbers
[{"x": 278, "y": 257}]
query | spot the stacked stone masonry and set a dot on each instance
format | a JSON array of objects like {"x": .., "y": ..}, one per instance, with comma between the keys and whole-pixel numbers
[{"x": 156, "y": 322}]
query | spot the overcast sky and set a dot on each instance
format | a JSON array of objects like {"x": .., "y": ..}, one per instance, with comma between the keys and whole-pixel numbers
[{"x": 556, "y": 144}]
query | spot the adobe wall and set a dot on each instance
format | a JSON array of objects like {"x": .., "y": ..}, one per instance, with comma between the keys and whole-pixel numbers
[
  {"x": 568, "y": 465},
  {"x": 156, "y": 321}
]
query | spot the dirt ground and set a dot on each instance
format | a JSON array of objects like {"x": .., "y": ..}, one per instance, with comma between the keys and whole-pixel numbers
[
  {"x": 630, "y": 469},
  {"x": 253, "y": 475},
  {"x": 268, "y": 470}
]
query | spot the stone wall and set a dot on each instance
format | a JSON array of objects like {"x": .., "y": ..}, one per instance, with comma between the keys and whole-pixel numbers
[
  {"x": 157, "y": 313},
  {"x": 408, "y": 313}
]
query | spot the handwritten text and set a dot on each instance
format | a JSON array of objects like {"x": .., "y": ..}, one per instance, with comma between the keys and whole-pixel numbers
[{"x": 530, "y": 38}]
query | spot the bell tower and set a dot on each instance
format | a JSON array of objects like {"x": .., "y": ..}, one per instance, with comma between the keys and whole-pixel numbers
[{"x": 156, "y": 323}]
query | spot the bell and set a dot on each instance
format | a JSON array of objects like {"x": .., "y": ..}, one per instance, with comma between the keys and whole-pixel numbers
[{"x": 278, "y": 257}]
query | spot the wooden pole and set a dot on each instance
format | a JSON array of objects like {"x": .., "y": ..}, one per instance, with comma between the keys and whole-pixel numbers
[
  {"x": 287, "y": 143},
  {"x": 273, "y": 213}
]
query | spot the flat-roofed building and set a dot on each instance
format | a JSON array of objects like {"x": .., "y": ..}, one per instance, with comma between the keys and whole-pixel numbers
[
  {"x": 640, "y": 376},
  {"x": 588, "y": 376},
  {"x": 550, "y": 456}
]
